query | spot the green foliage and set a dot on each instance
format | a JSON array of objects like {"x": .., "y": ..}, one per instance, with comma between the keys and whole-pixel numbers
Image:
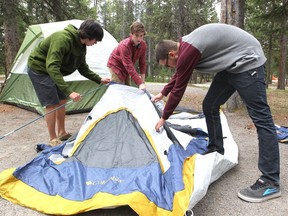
[
  {"x": 30, "y": 12},
  {"x": 169, "y": 19},
  {"x": 267, "y": 21},
  {"x": 117, "y": 16},
  {"x": 34, "y": 12},
  {"x": 163, "y": 75}
]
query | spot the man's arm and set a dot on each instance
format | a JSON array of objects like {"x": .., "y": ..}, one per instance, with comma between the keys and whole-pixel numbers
[{"x": 187, "y": 61}]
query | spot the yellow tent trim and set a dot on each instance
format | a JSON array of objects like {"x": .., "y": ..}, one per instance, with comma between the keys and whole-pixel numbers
[
  {"x": 20, "y": 193},
  {"x": 182, "y": 198}
]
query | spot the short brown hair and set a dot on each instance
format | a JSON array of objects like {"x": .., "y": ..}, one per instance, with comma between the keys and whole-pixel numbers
[
  {"x": 163, "y": 48},
  {"x": 137, "y": 27}
]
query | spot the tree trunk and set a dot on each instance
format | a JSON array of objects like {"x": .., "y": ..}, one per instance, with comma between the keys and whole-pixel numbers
[
  {"x": 181, "y": 18},
  {"x": 268, "y": 63},
  {"x": 11, "y": 35},
  {"x": 234, "y": 102},
  {"x": 223, "y": 12},
  {"x": 282, "y": 65},
  {"x": 57, "y": 9},
  {"x": 149, "y": 39},
  {"x": 283, "y": 51},
  {"x": 232, "y": 12}
]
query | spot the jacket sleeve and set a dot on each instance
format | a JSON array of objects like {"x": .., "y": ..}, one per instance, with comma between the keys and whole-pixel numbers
[
  {"x": 187, "y": 61},
  {"x": 86, "y": 72}
]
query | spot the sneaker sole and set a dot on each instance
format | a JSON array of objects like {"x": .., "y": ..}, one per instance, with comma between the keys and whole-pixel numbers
[{"x": 258, "y": 200}]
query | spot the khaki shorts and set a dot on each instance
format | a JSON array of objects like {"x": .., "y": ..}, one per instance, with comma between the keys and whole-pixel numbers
[{"x": 116, "y": 79}]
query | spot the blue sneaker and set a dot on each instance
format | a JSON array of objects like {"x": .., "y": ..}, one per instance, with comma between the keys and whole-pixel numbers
[{"x": 260, "y": 191}]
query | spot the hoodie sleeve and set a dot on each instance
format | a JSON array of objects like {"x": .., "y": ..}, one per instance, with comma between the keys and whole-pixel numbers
[{"x": 86, "y": 72}]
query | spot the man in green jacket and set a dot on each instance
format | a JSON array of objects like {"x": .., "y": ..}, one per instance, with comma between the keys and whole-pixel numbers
[{"x": 57, "y": 56}]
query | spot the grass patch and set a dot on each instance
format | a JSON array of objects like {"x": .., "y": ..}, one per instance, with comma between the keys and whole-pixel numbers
[{"x": 278, "y": 101}]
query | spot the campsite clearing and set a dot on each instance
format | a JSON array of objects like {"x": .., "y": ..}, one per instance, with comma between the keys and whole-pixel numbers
[{"x": 221, "y": 199}]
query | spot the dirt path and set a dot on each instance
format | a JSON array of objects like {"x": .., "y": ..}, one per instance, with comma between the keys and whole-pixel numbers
[{"x": 221, "y": 200}]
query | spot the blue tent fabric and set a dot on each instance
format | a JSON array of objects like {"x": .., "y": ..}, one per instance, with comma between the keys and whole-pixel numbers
[
  {"x": 282, "y": 133},
  {"x": 62, "y": 179}
]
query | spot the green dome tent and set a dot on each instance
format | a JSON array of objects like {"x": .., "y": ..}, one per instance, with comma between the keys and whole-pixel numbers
[{"x": 18, "y": 89}]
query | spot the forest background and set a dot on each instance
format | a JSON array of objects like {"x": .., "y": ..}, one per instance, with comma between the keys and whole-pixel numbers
[{"x": 265, "y": 19}]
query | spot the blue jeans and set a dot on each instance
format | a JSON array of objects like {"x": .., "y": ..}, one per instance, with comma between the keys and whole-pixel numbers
[{"x": 251, "y": 87}]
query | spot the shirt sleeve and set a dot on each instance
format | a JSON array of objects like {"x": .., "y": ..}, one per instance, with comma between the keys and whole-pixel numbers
[
  {"x": 187, "y": 61},
  {"x": 169, "y": 86}
]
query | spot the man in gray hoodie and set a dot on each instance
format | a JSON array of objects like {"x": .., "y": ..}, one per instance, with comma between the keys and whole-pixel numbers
[{"x": 238, "y": 61}]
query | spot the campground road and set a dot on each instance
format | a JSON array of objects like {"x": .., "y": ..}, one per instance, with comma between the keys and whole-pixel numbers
[{"x": 221, "y": 198}]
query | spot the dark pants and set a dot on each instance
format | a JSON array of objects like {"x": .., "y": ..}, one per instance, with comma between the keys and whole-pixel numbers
[{"x": 251, "y": 87}]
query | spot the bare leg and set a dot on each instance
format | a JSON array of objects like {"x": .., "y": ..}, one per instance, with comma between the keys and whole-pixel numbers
[
  {"x": 51, "y": 121},
  {"x": 60, "y": 119}
]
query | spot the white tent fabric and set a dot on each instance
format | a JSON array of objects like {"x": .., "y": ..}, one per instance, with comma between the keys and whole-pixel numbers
[{"x": 208, "y": 168}]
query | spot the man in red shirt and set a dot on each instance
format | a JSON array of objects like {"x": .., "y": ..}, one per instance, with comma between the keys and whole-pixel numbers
[{"x": 123, "y": 58}]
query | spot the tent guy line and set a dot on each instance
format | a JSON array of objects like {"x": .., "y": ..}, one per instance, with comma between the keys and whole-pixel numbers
[{"x": 43, "y": 115}]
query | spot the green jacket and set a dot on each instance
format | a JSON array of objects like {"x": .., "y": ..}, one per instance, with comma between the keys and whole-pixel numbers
[{"x": 59, "y": 55}]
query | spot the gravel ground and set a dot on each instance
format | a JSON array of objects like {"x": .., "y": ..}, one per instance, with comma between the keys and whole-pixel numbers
[{"x": 221, "y": 199}]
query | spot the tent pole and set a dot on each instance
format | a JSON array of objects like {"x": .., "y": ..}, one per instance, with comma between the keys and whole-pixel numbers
[
  {"x": 165, "y": 126},
  {"x": 42, "y": 116}
]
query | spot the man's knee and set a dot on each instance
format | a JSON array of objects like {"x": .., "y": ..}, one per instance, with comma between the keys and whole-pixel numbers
[{"x": 209, "y": 107}]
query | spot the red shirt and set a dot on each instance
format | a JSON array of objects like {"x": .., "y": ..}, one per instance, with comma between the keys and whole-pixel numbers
[{"x": 124, "y": 57}]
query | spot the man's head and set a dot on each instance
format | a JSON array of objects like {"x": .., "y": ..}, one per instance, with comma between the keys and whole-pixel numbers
[
  {"x": 166, "y": 53},
  {"x": 137, "y": 32},
  {"x": 91, "y": 31}
]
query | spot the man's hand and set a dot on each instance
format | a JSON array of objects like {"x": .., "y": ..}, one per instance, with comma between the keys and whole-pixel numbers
[
  {"x": 75, "y": 96},
  {"x": 159, "y": 124},
  {"x": 142, "y": 86},
  {"x": 105, "y": 80},
  {"x": 157, "y": 97}
]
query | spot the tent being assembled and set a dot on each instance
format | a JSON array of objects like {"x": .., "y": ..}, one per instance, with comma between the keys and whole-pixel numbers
[
  {"x": 18, "y": 89},
  {"x": 118, "y": 159}
]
